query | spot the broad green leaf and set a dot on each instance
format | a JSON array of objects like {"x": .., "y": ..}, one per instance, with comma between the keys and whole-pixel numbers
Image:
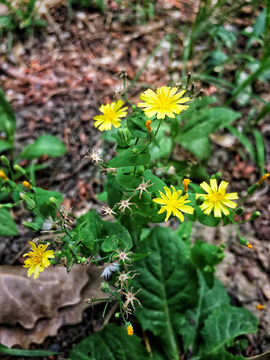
[
  {"x": 207, "y": 220},
  {"x": 205, "y": 257},
  {"x": 260, "y": 150},
  {"x": 209, "y": 300},
  {"x": 194, "y": 106},
  {"x": 222, "y": 355},
  {"x": 168, "y": 281},
  {"x": 199, "y": 147},
  {"x": 21, "y": 352},
  {"x": 44, "y": 145},
  {"x": 207, "y": 121},
  {"x": 5, "y": 145},
  {"x": 131, "y": 157},
  {"x": 244, "y": 140},
  {"x": 7, "y": 224},
  {"x": 223, "y": 325},
  {"x": 114, "y": 234},
  {"x": 7, "y": 118},
  {"x": 87, "y": 240},
  {"x": 217, "y": 58},
  {"x": 162, "y": 145},
  {"x": 111, "y": 343}
]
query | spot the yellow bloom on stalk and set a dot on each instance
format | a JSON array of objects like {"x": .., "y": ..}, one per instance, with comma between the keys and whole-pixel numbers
[
  {"x": 38, "y": 259},
  {"x": 3, "y": 175},
  {"x": 112, "y": 115},
  {"x": 217, "y": 198},
  {"x": 164, "y": 102},
  {"x": 173, "y": 203}
]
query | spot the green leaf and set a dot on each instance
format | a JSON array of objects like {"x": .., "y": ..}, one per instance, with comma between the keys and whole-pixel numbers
[
  {"x": 207, "y": 121},
  {"x": 222, "y": 355},
  {"x": 199, "y": 147},
  {"x": 217, "y": 58},
  {"x": 43, "y": 196},
  {"x": 21, "y": 352},
  {"x": 111, "y": 343},
  {"x": 205, "y": 257},
  {"x": 223, "y": 325},
  {"x": 7, "y": 118},
  {"x": 129, "y": 158},
  {"x": 136, "y": 125},
  {"x": 244, "y": 140},
  {"x": 168, "y": 281},
  {"x": 209, "y": 300},
  {"x": 7, "y": 224},
  {"x": 88, "y": 241},
  {"x": 44, "y": 145},
  {"x": 5, "y": 145}
]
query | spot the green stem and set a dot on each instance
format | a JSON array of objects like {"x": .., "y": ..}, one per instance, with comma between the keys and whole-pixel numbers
[
  {"x": 150, "y": 142},
  {"x": 39, "y": 213}
]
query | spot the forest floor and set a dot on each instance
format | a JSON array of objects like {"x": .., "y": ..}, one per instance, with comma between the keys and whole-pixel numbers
[{"x": 60, "y": 76}]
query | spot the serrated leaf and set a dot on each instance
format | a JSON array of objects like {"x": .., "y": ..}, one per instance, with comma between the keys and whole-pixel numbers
[
  {"x": 44, "y": 145},
  {"x": 209, "y": 300},
  {"x": 223, "y": 325},
  {"x": 168, "y": 286},
  {"x": 128, "y": 157},
  {"x": 111, "y": 343},
  {"x": 7, "y": 224}
]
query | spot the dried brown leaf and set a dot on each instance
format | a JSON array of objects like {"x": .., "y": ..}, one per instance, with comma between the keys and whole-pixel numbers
[{"x": 11, "y": 335}]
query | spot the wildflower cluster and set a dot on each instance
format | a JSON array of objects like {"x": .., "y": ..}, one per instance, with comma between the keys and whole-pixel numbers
[{"x": 137, "y": 192}]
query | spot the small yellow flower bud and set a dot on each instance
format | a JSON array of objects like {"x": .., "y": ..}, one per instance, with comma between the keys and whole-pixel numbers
[
  {"x": 249, "y": 246},
  {"x": 148, "y": 125},
  {"x": 185, "y": 183},
  {"x": 260, "y": 307},
  {"x": 130, "y": 330},
  {"x": 262, "y": 179},
  {"x": 3, "y": 175},
  {"x": 27, "y": 185}
]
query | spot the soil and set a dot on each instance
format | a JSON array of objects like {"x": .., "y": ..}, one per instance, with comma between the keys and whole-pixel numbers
[{"x": 80, "y": 59}]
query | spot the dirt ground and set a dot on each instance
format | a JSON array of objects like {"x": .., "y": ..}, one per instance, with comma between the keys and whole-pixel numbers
[{"x": 61, "y": 75}]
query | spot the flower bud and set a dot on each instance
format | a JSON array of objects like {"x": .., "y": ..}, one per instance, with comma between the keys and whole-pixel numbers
[
  {"x": 27, "y": 185},
  {"x": 19, "y": 169},
  {"x": 6, "y": 206},
  {"x": 31, "y": 226},
  {"x": 124, "y": 135},
  {"x": 5, "y": 160},
  {"x": 29, "y": 203},
  {"x": 200, "y": 200},
  {"x": 3, "y": 175},
  {"x": 216, "y": 176},
  {"x": 244, "y": 242},
  {"x": 134, "y": 107},
  {"x": 134, "y": 151},
  {"x": 104, "y": 287},
  {"x": 239, "y": 211},
  {"x": 54, "y": 202},
  {"x": 255, "y": 215}
]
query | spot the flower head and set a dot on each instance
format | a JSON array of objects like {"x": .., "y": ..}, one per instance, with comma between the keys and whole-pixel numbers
[
  {"x": 111, "y": 115},
  {"x": 27, "y": 185},
  {"x": 95, "y": 157},
  {"x": 109, "y": 269},
  {"x": 164, "y": 102},
  {"x": 123, "y": 255},
  {"x": 130, "y": 297},
  {"x": 124, "y": 277},
  {"x": 107, "y": 210},
  {"x": 125, "y": 204},
  {"x": 173, "y": 203},
  {"x": 217, "y": 198},
  {"x": 38, "y": 259},
  {"x": 142, "y": 187}
]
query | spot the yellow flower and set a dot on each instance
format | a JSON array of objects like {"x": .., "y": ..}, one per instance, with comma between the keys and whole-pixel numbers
[
  {"x": 217, "y": 198},
  {"x": 163, "y": 102},
  {"x": 38, "y": 259},
  {"x": 173, "y": 203},
  {"x": 3, "y": 175},
  {"x": 185, "y": 183},
  {"x": 27, "y": 185},
  {"x": 111, "y": 115}
]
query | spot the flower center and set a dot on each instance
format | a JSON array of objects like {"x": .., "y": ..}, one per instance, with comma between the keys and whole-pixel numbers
[{"x": 216, "y": 196}]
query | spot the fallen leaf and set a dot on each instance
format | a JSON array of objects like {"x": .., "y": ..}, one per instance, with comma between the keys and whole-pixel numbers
[
  {"x": 67, "y": 287},
  {"x": 265, "y": 356}
]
